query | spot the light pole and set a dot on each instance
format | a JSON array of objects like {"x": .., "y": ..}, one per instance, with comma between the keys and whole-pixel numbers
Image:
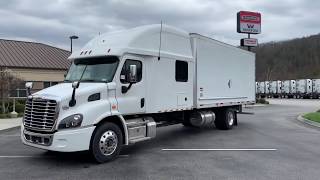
[{"x": 71, "y": 38}]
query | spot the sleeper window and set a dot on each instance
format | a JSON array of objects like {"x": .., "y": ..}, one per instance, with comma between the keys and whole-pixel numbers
[{"x": 181, "y": 71}]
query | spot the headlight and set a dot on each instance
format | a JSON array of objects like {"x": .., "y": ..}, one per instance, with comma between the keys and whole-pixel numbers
[{"x": 72, "y": 121}]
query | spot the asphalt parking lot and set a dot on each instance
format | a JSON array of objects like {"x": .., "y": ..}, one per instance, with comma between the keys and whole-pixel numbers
[{"x": 295, "y": 156}]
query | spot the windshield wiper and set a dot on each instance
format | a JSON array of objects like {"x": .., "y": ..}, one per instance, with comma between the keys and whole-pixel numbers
[{"x": 89, "y": 80}]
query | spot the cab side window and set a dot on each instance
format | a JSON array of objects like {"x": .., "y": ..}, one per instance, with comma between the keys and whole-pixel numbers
[
  {"x": 126, "y": 68},
  {"x": 181, "y": 71}
]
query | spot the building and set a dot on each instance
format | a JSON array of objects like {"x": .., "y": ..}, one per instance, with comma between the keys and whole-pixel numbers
[{"x": 42, "y": 64}]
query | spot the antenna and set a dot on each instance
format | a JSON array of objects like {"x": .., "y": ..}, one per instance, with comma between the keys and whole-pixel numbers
[{"x": 160, "y": 41}]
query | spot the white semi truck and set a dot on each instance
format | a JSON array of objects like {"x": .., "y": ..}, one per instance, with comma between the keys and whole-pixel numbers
[
  {"x": 288, "y": 88},
  {"x": 121, "y": 86},
  {"x": 275, "y": 88},
  {"x": 303, "y": 88},
  {"x": 267, "y": 89},
  {"x": 261, "y": 87},
  {"x": 315, "y": 88}
]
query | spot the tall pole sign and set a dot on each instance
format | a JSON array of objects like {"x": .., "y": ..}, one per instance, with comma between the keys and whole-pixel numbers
[{"x": 249, "y": 23}]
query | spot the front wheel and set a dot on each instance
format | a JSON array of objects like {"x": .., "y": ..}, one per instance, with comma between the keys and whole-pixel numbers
[{"x": 106, "y": 142}]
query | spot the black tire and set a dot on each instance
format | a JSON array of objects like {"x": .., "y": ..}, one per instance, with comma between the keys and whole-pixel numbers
[
  {"x": 186, "y": 121},
  {"x": 104, "y": 138},
  {"x": 223, "y": 120}
]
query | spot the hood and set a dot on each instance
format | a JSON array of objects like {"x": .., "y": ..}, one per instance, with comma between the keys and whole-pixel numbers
[{"x": 63, "y": 91}]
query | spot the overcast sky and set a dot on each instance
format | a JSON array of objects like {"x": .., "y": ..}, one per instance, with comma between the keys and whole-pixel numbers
[{"x": 53, "y": 21}]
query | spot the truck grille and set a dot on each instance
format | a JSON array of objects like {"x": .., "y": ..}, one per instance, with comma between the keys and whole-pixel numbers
[{"x": 40, "y": 114}]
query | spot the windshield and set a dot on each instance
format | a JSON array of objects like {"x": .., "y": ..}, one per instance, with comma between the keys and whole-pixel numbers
[{"x": 100, "y": 69}]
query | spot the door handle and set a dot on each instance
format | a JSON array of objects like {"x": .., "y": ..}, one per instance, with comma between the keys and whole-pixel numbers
[{"x": 142, "y": 102}]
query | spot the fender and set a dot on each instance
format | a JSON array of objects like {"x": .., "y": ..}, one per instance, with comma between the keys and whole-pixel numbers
[{"x": 121, "y": 119}]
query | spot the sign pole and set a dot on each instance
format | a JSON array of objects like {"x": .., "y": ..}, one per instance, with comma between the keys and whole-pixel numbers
[
  {"x": 249, "y": 48},
  {"x": 248, "y": 23}
]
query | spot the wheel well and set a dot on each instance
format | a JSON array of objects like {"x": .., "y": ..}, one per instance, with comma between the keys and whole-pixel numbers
[{"x": 116, "y": 120}]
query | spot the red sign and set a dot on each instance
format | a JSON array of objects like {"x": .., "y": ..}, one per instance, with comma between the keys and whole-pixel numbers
[
  {"x": 249, "y": 42},
  {"x": 249, "y": 22}
]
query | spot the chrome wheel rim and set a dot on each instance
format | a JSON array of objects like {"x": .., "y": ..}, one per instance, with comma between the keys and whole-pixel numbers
[
  {"x": 108, "y": 142},
  {"x": 230, "y": 118}
]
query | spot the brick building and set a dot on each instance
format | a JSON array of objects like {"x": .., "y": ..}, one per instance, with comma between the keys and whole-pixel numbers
[{"x": 42, "y": 64}]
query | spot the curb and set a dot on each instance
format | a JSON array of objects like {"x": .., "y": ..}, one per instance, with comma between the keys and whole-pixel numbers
[
  {"x": 9, "y": 129},
  {"x": 10, "y": 123},
  {"x": 255, "y": 105},
  {"x": 306, "y": 121}
]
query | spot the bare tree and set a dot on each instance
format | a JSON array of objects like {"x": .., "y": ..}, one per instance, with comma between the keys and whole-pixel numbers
[
  {"x": 292, "y": 59},
  {"x": 8, "y": 82}
]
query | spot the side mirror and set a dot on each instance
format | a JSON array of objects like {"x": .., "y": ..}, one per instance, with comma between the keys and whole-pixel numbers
[
  {"x": 132, "y": 77},
  {"x": 29, "y": 85},
  {"x": 75, "y": 84},
  {"x": 73, "y": 101}
]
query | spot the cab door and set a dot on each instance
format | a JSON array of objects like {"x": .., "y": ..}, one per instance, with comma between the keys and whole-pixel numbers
[{"x": 132, "y": 101}]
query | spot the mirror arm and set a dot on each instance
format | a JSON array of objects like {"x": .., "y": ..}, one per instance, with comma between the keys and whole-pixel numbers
[
  {"x": 29, "y": 91},
  {"x": 125, "y": 89},
  {"x": 73, "y": 101}
]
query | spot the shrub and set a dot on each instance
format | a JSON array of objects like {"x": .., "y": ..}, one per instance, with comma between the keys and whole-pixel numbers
[
  {"x": 21, "y": 101},
  {"x": 4, "y": 116},
  {"x": 262, "y": 101},
  {"x": 19, "y": 108}
]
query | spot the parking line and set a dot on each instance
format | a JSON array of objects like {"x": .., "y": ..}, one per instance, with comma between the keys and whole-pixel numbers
[
  {"x": 219, "y": 149},
  {"x": 23, "y": 156},
  {"x": 121, "y": 156}
]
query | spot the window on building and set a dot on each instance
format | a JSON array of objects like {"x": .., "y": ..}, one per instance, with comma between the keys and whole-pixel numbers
[
  {"x": 54, "y": 83},
  {"x": 181, "y": 71},
  {"x": 48, "y": 84},
  {"x": 126, "y": 69}
]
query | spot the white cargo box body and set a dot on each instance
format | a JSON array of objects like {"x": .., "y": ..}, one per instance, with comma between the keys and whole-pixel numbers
[
  {"x": 279, "y": 86},
  {"x": 224, "y": 74},
  {"x": 316, "y": 85},
  {"x": 285, "y": 87},
  {"x": 273, "y": 87},
  {"x": 304, "y": 86},
  {"x": 288, "y": 87},
  {"x": 293, "y": 88},
  {"x": 262, "y": 87},
  {"x": 267, "y": 87}
]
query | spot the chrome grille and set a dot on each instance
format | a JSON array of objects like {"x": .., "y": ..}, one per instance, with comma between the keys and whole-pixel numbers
[{"x": 40, "y": 114}]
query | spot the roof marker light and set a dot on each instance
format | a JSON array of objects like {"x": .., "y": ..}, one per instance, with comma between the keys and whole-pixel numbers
[
  {"x": 85, "y": 52},
  {"x": 81, "y": 53},
  {"x": 109, "y": 50},
  {"x": 90, "y": 51}
]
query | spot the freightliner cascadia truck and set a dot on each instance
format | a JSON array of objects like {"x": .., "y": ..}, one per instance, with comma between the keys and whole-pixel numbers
[{"x": 122, "y": 86}]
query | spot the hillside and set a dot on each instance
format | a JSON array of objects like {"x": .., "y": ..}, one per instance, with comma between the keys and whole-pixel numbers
[{"x": 292, "y": 59}]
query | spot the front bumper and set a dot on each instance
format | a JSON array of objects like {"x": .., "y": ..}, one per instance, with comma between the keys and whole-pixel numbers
[{"x": 70, "y": 140}]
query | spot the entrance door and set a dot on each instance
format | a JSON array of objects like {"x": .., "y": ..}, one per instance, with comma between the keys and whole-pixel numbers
[{"x": 132, "y": 101}]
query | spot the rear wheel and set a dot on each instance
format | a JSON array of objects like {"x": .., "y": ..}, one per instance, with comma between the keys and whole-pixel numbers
[
  {"x": 186, "y": 121},
  {"x": 106, "y": 142},
  {"x": 226, "y": 119}
]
